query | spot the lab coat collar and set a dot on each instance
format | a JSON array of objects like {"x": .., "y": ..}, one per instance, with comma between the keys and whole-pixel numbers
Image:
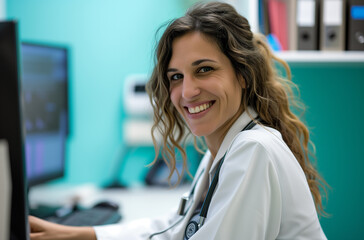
[{"x": 238, "y": 125}]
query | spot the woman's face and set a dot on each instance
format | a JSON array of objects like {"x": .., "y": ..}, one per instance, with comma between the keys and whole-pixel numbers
[{"x": 204, "y": 87}]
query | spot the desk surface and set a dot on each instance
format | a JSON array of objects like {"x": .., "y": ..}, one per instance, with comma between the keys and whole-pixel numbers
[{"x": 135, "y": 203}]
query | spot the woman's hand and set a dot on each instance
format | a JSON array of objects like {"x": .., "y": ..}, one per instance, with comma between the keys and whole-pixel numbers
[{"x": 43, "y": 230}]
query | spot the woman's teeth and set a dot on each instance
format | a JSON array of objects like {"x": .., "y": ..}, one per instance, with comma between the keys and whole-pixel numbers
[{"x": 200, "y": 108}]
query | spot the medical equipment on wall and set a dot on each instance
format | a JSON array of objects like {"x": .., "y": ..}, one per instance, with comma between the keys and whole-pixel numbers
[
  {"x": 136, "y": 125},
  {"x": 136, "y": 100},
  {"x": 138, "y": 122}
]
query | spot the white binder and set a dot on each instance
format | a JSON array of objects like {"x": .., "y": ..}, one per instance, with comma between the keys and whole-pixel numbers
[
  {"x": 307, "y": 25},
  {"x": 333, "y": 25}
]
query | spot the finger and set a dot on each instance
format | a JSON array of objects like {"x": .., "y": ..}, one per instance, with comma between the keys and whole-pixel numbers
[
  {"x": 35, "y": 219},
  {"x": 36, "y": 236},
  {"x": 35, "y": 224}
]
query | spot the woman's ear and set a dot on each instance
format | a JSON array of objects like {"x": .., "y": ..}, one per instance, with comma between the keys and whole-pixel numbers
[{"x": 241, "y": 81}]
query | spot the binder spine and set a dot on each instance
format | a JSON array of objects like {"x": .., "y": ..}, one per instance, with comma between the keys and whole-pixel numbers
[
  {"x": 308, "y": 24},
  {"x": 333, "y": 25},
  {"x": 355, "y": 25}
]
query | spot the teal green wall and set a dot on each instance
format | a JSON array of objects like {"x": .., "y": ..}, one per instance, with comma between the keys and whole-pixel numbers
[
  {"x": 334, "y": 95},
  {"x": 110, "y": 39}
]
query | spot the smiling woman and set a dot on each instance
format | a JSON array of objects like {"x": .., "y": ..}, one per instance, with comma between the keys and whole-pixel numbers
[
  {"x": 212, "y": 72},
  {"x": 216, "y": 79}
]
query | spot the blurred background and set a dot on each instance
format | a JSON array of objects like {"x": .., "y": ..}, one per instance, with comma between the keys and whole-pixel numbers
[{"x": 108, "y": 41}]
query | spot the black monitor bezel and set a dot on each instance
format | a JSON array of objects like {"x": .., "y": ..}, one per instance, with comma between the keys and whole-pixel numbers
[{"x": 11, "y": 127}]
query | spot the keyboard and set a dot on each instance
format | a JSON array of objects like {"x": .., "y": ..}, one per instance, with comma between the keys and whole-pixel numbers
[{"x": 89, "y": 217}]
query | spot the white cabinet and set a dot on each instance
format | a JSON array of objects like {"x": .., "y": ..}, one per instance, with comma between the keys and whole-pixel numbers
[{"x": 322, "y": 56}]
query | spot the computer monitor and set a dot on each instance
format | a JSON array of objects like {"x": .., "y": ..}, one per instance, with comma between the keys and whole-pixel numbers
[
  {"x": 45, "y": 114},
  {"x": 11, "y": 128}
]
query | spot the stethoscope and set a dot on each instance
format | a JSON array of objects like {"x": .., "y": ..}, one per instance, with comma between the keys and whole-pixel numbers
[{"x": 193, "y": 226}]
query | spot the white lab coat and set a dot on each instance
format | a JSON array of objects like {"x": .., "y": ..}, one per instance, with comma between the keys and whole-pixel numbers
[{"x": 262, "y": 193}]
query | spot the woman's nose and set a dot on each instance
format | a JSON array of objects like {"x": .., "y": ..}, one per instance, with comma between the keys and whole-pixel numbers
[{"x": 190, "y": 88}]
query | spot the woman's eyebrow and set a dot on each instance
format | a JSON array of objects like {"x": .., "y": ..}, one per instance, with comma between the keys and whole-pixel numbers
[
  {"x": 195, "y": 63},
  {"x": 198, "y": 62},
  {"x": 171, "y": 70}
]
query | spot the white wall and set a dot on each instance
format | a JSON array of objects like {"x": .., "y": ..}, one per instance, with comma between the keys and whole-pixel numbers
[
  {"x": 247, "y": 8},
  {"x": 2, "y": 9}
]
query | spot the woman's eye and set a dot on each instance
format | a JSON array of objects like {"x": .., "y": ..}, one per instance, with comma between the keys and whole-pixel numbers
[
  {"x": 205, "y": 69},
  {"x": 176, "y": 77}
]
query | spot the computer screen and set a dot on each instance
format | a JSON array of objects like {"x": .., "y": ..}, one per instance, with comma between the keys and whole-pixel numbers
[
  {"x": 45, "y": 113},
  {"x": 11, "y": 130}
]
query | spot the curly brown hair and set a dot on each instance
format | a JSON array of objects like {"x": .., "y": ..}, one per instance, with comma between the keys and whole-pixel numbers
[{"x": 269, "y": 93}]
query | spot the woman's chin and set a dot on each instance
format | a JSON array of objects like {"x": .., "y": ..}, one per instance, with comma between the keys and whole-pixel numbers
[{"x": 198, "y": 132}]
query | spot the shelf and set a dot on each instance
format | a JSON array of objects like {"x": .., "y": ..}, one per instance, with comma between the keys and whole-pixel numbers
[{"x": 322, "y": 56}]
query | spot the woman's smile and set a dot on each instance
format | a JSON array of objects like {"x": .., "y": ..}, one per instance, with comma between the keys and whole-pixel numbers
[{"x": 198, "y": 108}]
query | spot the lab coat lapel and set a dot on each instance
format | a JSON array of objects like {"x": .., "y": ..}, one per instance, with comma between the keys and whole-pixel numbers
[{"x": 239, "y": 124}]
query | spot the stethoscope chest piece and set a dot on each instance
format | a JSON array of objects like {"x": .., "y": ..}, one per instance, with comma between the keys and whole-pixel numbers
[{"x": 192, "y": 227}]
